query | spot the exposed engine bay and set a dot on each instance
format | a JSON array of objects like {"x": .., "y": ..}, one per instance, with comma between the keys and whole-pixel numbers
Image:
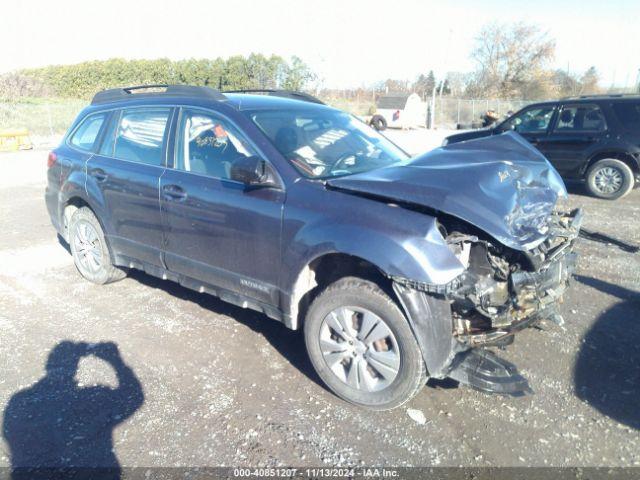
[{"x": 503, "y": 290}]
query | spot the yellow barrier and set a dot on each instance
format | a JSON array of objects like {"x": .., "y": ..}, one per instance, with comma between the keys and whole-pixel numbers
[{"x": 12, "y": 140}]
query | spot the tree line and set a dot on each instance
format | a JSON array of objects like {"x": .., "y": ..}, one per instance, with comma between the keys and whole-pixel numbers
[
  {"x": 255, "y": 71},
  {"x": 512, "y": 61}
]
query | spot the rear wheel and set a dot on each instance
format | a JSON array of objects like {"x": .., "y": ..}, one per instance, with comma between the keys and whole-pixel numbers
[
  {"x": 362, "y": 347},
  {"x": 89, "y": 249},
  {"x": 610, "y": 179}
]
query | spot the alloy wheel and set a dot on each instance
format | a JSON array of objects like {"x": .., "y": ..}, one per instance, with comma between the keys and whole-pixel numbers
[
  {"x": 608, "y": 180},
  {"x": 359, "y": 348},
  {"x": 88, "y": 248}
]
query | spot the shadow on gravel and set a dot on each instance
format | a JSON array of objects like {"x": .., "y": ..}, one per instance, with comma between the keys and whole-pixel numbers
[
  {"x": 607, "y": 371},
  {"x": 57, "y": 429},
  {"x": 288, "y": 342},
  {"x": 577, "y": 188}
]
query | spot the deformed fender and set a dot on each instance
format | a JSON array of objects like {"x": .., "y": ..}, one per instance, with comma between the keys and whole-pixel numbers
[{"x": 430, "y": 319}]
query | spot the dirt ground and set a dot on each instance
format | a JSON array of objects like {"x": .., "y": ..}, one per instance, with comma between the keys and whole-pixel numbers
[{"x": 203, "y": 383}]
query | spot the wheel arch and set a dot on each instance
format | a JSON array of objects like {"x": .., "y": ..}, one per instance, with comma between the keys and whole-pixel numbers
[
  {"x": 324, "y": 269},
  {"x": 70, "y": 206},
  {"x": 621, "y": 155}
]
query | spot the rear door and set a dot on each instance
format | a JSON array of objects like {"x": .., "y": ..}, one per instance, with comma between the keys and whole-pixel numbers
[
  {"x": 577, "y": 129},
  {"x": 125, "y": 174},
  {"x": 218, "y": 230}
]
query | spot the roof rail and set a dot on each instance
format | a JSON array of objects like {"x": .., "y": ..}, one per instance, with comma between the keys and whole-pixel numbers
[
  {"x": 292, "y": 94},
  {"x": 602, "y": 95},
  {"x": 116, "y": 94}
]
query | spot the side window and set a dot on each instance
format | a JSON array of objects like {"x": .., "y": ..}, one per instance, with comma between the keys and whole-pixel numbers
[
  {"x": 208, "y": 145},
  {"x": 533, "y": 120},
  {"x": 85, "y": 135},
  {"x": 628, "y": 113},
  {"x": 580, "y": 118},
  {"x": 140, "y": 135}
]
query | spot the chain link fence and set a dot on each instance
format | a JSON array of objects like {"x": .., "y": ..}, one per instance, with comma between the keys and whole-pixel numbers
[
  {"x": 40, "y": 118},
  {"x": 50, "y": 118},
  {"x": 453, "y": 113}
]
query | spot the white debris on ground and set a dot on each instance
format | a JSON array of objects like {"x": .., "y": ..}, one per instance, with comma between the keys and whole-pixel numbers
[{"x": 417, "y": 416}]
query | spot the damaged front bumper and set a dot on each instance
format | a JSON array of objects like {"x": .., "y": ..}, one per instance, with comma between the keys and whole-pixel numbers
[
  {"x": 500, "y": 293},
  {"x": 491, "y": 305}
]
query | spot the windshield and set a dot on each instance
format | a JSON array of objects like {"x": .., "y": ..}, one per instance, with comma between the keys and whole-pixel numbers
[{"x": 324, "y": 143}]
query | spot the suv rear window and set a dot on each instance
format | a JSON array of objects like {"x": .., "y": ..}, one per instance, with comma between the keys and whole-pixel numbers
[
  {"x": 140, "y": 135},
  {"x": 85, "y": 135},
  {"x": 628, "y": 113}
]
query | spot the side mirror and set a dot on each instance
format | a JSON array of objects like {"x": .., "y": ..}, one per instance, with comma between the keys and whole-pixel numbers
[{"x": 253, "y": 171}]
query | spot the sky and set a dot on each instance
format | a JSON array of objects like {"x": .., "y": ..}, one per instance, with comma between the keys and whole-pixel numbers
[{"x": 348, "y": 43}]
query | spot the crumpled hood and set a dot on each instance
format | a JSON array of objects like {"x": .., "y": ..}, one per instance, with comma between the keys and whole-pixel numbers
[{"x": 501, "y": 184}]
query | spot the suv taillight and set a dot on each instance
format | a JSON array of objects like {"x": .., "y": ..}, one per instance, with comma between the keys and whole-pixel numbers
[{"x": 51, "y": 160}]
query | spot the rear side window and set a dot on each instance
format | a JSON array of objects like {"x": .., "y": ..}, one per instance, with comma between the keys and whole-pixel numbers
[
  {"x": 86, "y": 134},
  {"x": 140, "y": 135},
  {"x": 628, "y": 113},
  {"x": 580, "y": 118}
]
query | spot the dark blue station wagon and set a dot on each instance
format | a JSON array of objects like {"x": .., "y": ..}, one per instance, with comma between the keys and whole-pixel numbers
[{"x": 397, "y": 268}]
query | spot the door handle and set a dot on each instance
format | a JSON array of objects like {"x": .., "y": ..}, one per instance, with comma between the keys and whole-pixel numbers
[
  {"x": 99, "y": 174},
  {"x": 174, "y": 192}
]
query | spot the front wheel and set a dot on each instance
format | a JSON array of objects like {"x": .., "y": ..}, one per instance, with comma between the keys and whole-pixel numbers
[
  {"x": 89, "y": 248},
  {"x": 609, "y": 179},
  {"x": 362, "y": 347}
]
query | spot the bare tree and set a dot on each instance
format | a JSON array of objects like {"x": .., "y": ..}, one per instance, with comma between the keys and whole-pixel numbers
[{"x": 508, "y": 57}]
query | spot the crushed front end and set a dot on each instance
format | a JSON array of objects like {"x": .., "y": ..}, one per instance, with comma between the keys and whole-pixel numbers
[{"x": 501, "y": 292}]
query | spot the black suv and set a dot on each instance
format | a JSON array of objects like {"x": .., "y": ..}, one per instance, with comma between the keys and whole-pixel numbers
[{"x": 595, "y": 139}]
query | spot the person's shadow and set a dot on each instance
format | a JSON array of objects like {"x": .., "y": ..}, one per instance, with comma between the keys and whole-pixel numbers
[
  {"x": 56, "y": 426},
  {"x": 607, "y": 369}
]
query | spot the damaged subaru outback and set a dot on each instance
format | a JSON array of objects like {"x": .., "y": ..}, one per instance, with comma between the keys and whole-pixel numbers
[{"x": 396, "y": 268}]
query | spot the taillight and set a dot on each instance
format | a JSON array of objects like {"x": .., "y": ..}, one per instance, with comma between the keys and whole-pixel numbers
[{"x": 52, "y": 159}]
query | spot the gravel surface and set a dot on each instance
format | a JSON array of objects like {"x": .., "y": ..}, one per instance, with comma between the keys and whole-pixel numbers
[{"x": 192, "y": 381}]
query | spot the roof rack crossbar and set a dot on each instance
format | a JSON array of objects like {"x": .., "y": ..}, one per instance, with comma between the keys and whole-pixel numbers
[
  {"x": 292, "y": 94},
  {"x": 116, "y": 94}
]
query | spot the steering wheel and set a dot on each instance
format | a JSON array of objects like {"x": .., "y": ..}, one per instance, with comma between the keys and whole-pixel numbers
[{"x": 339, "y": 163}]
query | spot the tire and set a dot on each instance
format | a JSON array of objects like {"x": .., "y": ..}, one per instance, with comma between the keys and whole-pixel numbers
[
  {"x": 90, "y": 250},
  {"x": 379, "y": 123},
  {"x": 373, "y": 384},
  {"x": 609, "y": 179}
]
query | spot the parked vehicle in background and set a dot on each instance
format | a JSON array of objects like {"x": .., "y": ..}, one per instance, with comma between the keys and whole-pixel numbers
[
  {"x": 397, "y": 268},
  {"x": 595, "y": 139},
  {"x": 400, "y": 110}
]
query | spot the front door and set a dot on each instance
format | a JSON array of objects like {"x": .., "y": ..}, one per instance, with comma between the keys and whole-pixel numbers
[
  {"x": 217, "y": 230},
  {"x": 125, "y": 174},
  {"x": 533, "y": 124}
]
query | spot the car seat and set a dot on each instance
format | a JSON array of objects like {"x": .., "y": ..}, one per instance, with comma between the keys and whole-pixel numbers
[
  {"x": 566, "y": 117},
  {"x": 286, "y": 140}
]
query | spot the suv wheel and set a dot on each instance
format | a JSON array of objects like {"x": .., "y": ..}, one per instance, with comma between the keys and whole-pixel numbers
[
  {"x": 362, "y": 346},
  {"x": 609, "y": 179},
  {"x": 89, "y": 249}
]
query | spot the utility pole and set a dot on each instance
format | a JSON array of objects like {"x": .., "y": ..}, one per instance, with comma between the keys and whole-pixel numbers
[{"x": 432, "y": 112}]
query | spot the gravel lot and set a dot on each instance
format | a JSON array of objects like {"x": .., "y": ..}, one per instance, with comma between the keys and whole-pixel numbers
[{"x": 218, "y": 385}]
